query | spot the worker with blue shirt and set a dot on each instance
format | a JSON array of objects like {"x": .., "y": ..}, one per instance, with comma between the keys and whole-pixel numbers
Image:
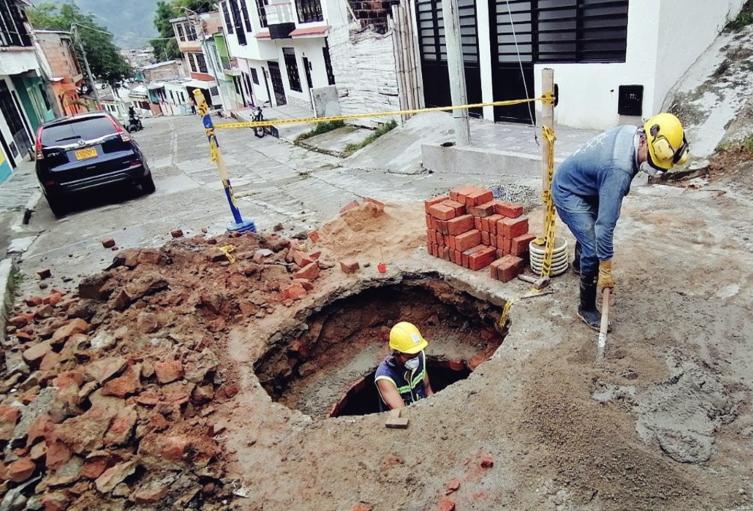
[
  {"x": 589, "y": 186},
  {"x": 401, "y": 378}
]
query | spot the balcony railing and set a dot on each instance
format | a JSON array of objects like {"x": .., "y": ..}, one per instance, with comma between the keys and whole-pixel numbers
[
  {"x": 309, "y": 11},
  {"x": 280, "y": 19}
]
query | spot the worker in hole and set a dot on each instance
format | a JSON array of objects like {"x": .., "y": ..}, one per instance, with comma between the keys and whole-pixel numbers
[
  {"x": 589, "y": 186},
  {"x": 401, "y": 378}
]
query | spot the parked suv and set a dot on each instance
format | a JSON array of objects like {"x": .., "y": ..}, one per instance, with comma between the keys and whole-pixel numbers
[{"x": 84, "y": 152}]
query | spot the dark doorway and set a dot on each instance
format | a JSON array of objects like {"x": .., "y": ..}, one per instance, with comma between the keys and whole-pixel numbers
[
  {"x": 276, "y": 78},
  {"x": 434, "y": 52},
  {"x": 307, "y": 69},
  {"x": 266, "y": 86},
  {"x": 14, "y": 120},
  {"x": 508, "y": 81}
]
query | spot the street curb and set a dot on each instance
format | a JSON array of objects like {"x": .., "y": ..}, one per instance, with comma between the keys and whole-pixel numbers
[
  {"x": 6, "y": 291},
  {"x": 31, "y": 205}
]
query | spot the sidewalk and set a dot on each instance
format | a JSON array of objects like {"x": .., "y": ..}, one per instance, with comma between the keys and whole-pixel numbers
[{"x": 17, "y": 194}]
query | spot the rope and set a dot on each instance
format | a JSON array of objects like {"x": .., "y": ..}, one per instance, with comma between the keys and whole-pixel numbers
[
  {"x": 347, "y": 117},
  {"x": 522, "y": 73}
]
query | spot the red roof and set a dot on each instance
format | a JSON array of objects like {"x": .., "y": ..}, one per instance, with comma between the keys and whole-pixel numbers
[
  {"x": 311, "y": 31},
  {"x": 263, "y": 35}
]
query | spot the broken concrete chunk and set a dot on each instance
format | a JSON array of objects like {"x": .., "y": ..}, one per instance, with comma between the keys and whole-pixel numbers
[
  {"x": 75, "y": 326},
  {"x": 36, "y": 353},
  {"x": 168, "y": 371},
  {"x": 67, "y": 474},
  {"x": 198, "y": 366},
  {"x": 395, "y": 421},
  {"x": 121, "y": 427},
  {"x": 115, "y": 475},
  {"x": 9, "y": 416},
  {"x": 126, "y": 384},
  {"x": 104, "y": 369},
  {"x": 102, "y": 340},
  {"x": 14, "y": 363},
  {"x": 93, "y": 286}
]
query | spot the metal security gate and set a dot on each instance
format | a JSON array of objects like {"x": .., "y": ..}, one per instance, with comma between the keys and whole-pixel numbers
[
  {"x": 276, "y": 78},
  {"x": 434, "y": 52}
]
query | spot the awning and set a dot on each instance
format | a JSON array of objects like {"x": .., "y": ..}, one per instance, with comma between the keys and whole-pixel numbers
[
  {"x": 200, "y": 84},
  {"x": 310, "y": 32}
]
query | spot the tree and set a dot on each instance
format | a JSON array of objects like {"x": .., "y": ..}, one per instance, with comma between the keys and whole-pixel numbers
[
  {"x": 105, "y": 60},
  {"x": 166, "y": 46}
]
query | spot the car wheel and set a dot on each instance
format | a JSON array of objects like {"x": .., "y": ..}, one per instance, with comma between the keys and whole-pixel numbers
[
  {"x": 58, "y": 206},
  {"x": 147, "y": 185}
]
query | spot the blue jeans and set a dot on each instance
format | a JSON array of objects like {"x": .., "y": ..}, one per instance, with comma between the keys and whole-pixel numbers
[{"x": 580, "y": 216}]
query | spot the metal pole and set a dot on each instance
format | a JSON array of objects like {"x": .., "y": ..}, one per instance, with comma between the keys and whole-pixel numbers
[
  {"x": 238, "y": 224},
  {"x": 74, "y": 29},
  {"x": 456, "y": 69}
]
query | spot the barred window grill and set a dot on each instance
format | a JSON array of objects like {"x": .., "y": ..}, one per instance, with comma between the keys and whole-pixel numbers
[
  {"x": 238, "y": 24},
  {"x": 291, "y": 64},
  {"x": 309, "y": 11},
  {"x": 12, "y": 28},
  {"x": 246, "y": 18},
  {"x": 562, "y": 30},
  {"x": 201, "y": 63},
  {"x": 261, "y": 6},
  {"x": 228, "y": 21},
  {"x": 328, "y": 63}
]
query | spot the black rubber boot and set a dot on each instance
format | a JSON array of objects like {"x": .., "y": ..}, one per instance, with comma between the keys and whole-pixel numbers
[
  {"x": 576, "y": 260},
  {"x": 587, "y": 310}
]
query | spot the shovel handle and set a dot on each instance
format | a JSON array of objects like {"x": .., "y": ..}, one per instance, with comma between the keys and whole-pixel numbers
[{"x": 604, "y": 323}]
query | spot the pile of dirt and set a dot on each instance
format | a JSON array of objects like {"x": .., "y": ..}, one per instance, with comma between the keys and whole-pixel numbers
[{"x": 109, "y": 395}]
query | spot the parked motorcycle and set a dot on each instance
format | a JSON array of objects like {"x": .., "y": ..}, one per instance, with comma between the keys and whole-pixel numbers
[{"x": 134, "y": 124}]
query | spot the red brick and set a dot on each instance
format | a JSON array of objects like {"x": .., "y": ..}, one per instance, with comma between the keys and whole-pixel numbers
[
  {"x": 45, "y": 273},
  {"x": 300, "y": 258},
  {"x": 21, "y": 470},
  {"x": 519, "y": 245},
  {"x": 176, "y": 233},
  {"x": 451, "y": 242},
  {"x": 442, "y": 226},
  {"x": 168, "y": 371},
  {"x": 482, "y": 210},
  {"x": 509, "y": 267},
  {"x": 464, "y": 259},
  {"x": 453, "y": 485},
  {"x": 444, "y": 253},
  {"x": 351, "y": 265},
  {"x": 467, "y": 240},
  {"x": 478, "y": 197},
  {"x": 309, "y": 272},
  {"x": 108, "y": 243},
  {"x": 485, "y": 238},
  {"x": 500, "y": 253},
  {"x": 493, "y": 219},
  {"x": 442, "y": 212},
  {"x": 477, "y": 222},
  {"x": 513, "y": 227},
  {"x": 457, "y": 206},
  {"x": 508, "y": 209},
  {"x": 429, "y": 225},
  {"x": 481, "y": 258},
  {"x": 431, "y": 236},
  {"x": 493, "y": 269},
  {"x": 446, "y": 504},
  {"x": 461, "y": 192},
  {"x": 460, "y": 225},
  {"x": 434, "y": 200},
  {"x": 314, "y": 236}
]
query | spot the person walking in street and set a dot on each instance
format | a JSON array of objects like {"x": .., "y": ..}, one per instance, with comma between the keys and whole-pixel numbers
[
  {"x": 401, "y": 378},
  {"x": 589, "y": 186}
]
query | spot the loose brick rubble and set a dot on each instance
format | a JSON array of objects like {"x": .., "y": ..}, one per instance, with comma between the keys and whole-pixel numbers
[
  {"x": 469, "y": 228},
  {"x": 107, "y": 396}
]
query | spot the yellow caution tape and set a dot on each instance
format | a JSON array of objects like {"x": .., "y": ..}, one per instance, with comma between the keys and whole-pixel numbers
[
  {"x": 549, "y": 211},
  {"x": 348, "y": 117}
]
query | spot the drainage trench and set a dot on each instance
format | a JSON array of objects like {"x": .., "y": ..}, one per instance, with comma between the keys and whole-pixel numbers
[{"x": 325, "y": 366}]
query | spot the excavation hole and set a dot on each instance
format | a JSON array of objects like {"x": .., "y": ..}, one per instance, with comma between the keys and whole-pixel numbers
[{"x": 324, "y": 365}]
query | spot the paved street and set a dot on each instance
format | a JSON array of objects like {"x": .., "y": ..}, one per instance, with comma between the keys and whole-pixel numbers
[{"x": 274, "y": 181}]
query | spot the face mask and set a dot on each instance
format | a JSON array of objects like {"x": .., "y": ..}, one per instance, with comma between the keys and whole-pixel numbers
[
  {"x": 650, "y": 170},
  {"x": 412, "y": 364}
]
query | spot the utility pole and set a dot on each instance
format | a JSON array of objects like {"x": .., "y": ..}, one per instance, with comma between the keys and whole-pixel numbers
[
  {"x": 77, "y": 36},
  {"x": 456, "y": 70},
  {"x": 204, "y": 47}
]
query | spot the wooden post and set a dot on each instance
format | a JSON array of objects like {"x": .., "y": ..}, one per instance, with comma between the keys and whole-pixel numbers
[{"x": 547, "y": 121}]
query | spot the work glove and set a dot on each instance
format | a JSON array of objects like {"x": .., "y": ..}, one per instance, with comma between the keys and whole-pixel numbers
[{"x": 606, "y": 281}]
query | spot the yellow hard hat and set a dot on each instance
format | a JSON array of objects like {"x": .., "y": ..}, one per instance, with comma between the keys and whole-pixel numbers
[
  {"x": 405, "y": 338},
  {"x": 667, "y": 144}
]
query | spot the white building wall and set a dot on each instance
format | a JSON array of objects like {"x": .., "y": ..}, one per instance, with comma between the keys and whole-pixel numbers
[{"x": 664, "y": 39}]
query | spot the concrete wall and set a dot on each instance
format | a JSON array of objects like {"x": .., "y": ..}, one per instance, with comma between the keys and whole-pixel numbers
[
  {"x": 664, "y": 39},
  {"x": 365, "y": 71},
  {"x": 165, "y": 71}
]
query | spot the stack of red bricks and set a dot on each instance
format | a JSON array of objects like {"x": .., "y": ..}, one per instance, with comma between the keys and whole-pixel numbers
[{"x": 473, "y": 230}]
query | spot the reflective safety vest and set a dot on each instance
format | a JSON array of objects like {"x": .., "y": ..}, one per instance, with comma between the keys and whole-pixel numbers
[{"x": 409, "y": 385}]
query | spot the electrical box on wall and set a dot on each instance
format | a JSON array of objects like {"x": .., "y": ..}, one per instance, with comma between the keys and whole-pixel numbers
[{"x": 630, "y": 100}]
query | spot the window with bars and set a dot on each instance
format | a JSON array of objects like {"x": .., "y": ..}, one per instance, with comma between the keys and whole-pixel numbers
[
  {"x": 291, "y": 64},
  {"x": 328, "y": 63},
  {"x": 237, "y": 23},
  {"x": 192, "y": 63},
  {"x": 309, "y": 11},
  {"x": 180, "y": 31},
  {"x": 261, "y": 6},
  {"x": 12, "y": 28},
  {"x": 191, "y": 32},
  {"x": 431, "y": 30},
  {"x": 562, "y": 30},
  {"x": 255, "y": 76},
  {"x": 246, "y": 18},
  {"x": 226, "y": 15},
  {"x": 201, "y": 62}
]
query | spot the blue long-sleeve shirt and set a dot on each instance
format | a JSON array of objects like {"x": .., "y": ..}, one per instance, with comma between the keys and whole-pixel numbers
[{"x": 601, "y": 172}]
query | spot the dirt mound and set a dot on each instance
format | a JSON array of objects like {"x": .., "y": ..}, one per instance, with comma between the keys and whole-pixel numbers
[
  {"x": 110, "y": 395},
  {"x": 372, "y": 231}
]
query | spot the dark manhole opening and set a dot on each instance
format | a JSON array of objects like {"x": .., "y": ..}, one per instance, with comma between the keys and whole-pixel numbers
[
  {"x": 363, "y": 397},
  {"x": 324, "y": 366}
]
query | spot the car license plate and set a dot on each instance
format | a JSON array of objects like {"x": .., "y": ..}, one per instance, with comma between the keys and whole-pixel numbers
[{"x": 86, "y": 154}]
